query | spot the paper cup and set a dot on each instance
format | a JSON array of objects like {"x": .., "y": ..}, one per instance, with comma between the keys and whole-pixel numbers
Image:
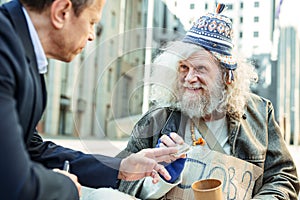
[{"x": 208, "y": 189}]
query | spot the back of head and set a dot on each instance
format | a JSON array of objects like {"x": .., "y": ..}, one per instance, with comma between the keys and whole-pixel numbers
[{"x": 41, "y": 5}]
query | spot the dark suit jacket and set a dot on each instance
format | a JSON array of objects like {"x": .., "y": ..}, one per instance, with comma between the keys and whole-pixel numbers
[{"x": 26, "y": 161}]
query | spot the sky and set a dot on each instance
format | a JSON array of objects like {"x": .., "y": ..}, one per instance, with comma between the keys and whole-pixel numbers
[{"x": 290, "y": 13}]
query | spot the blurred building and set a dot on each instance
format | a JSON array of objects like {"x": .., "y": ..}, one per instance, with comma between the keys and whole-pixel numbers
[
  {"x": 100, "y": 93},
  {"x": 288, "y": 86}
]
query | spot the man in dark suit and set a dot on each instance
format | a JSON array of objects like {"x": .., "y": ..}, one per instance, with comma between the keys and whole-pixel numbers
[{"x": 30, "y": 32}]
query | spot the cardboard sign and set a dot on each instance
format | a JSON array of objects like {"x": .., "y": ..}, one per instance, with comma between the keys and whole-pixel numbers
[{"x": 237, "y": 176}]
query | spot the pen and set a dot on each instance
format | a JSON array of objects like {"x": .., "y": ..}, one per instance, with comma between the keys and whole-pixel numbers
[{"x": 66, "y": 166}]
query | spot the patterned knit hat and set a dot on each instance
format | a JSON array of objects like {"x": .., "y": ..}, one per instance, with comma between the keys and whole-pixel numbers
[{"x": 213, "y": 31}]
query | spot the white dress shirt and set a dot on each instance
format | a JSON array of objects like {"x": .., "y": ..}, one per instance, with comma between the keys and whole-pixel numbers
[{"x": 38, "y": 49}]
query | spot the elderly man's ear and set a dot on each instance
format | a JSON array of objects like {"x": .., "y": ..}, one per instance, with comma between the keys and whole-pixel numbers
[{"x": 60, "y": 11}]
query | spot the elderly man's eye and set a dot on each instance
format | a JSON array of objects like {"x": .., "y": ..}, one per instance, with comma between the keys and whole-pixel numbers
[
  {"x": 200, "y": 68},
  {"x": 183, "y": 67}
]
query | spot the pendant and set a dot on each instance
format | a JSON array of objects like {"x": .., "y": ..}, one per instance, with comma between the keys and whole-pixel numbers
[{"x": 200, "y": 141}]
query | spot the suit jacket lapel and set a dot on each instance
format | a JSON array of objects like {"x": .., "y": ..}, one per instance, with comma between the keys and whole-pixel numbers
[
  {"x": 20, "y": 25},
  {"x": 19, "y": 22}
]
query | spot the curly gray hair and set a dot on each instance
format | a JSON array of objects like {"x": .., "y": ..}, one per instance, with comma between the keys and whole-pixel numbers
[{"x": 165, "y": 72}]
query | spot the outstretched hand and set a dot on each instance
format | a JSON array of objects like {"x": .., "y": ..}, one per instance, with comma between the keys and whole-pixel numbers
[{"x": 146, "y": 163}]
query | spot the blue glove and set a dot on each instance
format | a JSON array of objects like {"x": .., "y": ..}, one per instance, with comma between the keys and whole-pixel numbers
[{"x": 175, "y": 168}]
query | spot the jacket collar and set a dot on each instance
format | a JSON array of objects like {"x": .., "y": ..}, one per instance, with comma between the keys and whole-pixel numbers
[
  {"x": 233, "y": 129},
  {"x": 16, "y": 15},
  {"x": 176, "y": 122}
]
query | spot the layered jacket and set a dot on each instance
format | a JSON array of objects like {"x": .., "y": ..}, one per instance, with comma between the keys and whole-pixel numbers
[{"x": 255, "y": 138}]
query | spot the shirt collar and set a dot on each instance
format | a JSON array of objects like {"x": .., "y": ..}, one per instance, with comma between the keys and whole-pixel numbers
[{"x": 37, "y": 46}]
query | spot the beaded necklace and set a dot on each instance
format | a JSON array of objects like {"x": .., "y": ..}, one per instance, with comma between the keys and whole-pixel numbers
[{"x": 199, "y": 141}]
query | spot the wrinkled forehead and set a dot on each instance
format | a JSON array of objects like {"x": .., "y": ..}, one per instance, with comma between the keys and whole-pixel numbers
[
  {"x": 181, "y": 49},
  {"x": 201, "y": 57}
]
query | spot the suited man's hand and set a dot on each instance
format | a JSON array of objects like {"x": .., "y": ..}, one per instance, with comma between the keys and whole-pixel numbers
[
  {"x": 72, "y": 177},
  {"x": 145, "y": 163}
]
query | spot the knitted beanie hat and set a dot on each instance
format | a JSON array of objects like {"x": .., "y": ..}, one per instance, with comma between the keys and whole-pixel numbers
[{"x": 213, "y": 32}]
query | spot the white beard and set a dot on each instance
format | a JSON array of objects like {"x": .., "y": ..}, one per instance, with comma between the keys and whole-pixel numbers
[{"x": 201, "y": 105}]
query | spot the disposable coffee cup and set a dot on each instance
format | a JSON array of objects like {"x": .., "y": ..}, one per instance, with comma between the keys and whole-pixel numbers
[{"x": 208, "y": 189}]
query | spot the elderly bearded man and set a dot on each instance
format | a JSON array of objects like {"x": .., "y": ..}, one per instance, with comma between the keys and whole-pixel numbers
[{"x": 202, "y": 93}]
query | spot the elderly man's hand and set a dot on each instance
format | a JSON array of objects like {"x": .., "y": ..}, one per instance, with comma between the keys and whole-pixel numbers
[
  {"x": 175, "y": 168},
  {"x": 145, "y": 163}
]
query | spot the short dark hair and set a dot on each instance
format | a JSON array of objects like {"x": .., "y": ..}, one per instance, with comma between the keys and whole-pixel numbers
[{"x": 41, "y": 5}]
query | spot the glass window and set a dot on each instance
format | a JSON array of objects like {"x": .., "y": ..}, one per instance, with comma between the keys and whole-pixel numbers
[
  {"x": 192, "y": 6},
  {"x": 229, "y": 6},
  {"x": 241, "y": 19},
  {"x": 139, "y": 19},
  {"x": 109, "y": 79},
  {"x": 256, "y": 19},
  {"x": 256, "y": 4},
  {"x": 242, "y": 5},
  {"x": 255, "y": 34},
  {"x": 111, "y": 49},
  {"x": 241, "y": 34},
  {"x": 113, "y": 19}
]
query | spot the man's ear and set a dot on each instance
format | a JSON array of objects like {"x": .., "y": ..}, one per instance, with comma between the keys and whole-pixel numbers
[{"x": 60, "y": 11}]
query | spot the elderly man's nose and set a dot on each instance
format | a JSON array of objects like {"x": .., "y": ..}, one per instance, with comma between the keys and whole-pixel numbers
[{"x": 191, "y": 76}]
